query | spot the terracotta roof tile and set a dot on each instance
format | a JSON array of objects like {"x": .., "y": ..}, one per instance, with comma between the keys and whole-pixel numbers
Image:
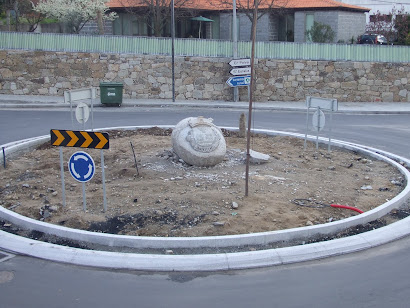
[{"x": 218, "y": 5}]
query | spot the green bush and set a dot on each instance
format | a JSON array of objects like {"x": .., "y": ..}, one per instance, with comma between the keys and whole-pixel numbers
[{"x": 320, "y": 33}]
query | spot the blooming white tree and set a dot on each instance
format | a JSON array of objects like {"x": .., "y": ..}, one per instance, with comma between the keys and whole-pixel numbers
[{"x": 75, "y": 13}]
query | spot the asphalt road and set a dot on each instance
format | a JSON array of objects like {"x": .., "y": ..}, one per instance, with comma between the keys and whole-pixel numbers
[{"x": 374, "y": 278}]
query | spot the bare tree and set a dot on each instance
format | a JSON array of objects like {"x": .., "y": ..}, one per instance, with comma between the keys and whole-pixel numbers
[
  {"x": 156, "y": 13},
  {"x": 247, "y": 7}
]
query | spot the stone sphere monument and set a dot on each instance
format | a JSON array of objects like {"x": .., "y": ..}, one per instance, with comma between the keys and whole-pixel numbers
[{"x": 198, "y": 142}]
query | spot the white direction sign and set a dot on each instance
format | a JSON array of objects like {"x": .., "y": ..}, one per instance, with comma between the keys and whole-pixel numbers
[
  {"x": 82, "y": 113},
  {"x": 240, "y": 71},
  {"x": 318, "y": 120},
  {"x": 240, "y": 62}
]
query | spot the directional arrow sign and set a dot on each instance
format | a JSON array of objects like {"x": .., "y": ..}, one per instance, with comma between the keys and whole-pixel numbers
[
  {"x": 79, "y": 139},
  {"x": 239, "y": 81},
  {"x": 240, "y": 62},
  {"x": 240, "y": 71}
]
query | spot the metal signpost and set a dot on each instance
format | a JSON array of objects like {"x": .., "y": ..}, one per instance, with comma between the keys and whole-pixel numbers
[
  {"x": 245, "y": 67},
  {"x": 237, "y": 71},
  {"x": 81, "y": 165},
  {"x": 318, "y": 118},
  {"x": 82, "y": 168}
]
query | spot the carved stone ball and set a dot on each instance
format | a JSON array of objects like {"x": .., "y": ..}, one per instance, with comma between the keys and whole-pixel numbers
[{"x": 198, "y": 142}]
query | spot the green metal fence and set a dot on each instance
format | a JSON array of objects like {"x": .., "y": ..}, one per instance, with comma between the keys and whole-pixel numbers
[{"x": 202, "y": 48}]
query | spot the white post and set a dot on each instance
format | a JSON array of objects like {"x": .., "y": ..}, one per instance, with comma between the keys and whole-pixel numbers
[
  {"x": 103, "y": 181},
  {"x": 62, "y": 176}
]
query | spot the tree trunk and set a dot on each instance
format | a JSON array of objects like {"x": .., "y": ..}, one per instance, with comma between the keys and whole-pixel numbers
[
  {"x": 16, "y": 12},
  {"x": 8, "y": 20},
  {"x": 100, "y": 23}
]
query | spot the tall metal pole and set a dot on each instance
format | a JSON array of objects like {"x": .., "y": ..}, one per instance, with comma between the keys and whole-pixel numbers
[
  {"x": 235, "y": 45},
  {"x": 248, "y": 141},
  {"x": 173, "y": 48}
]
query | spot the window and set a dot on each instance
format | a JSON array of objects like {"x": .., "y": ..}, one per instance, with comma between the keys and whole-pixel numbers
[{"x": 309, "y": 20}]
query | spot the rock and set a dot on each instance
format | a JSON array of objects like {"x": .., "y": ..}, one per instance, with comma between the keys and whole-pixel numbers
[
  {"x": 219, "y": 223},
  {"x": 309, "y": 223},
  {"x": 215, "y": 213},
  {"x": 46, "y": 214},
  {"x": 158, "y": 213},
  {"x": 198, "y": 142},
  {"x": 235, "y": 205},
  {"x": 331, "y": 168},
  {"x": 395, "y": 182},
  {"x": 258, "y": 158},
  {"x": 54, "y": 193},
  {"x": 242, "y": 125},
  {"x": 169, "y": 252},
  {"x": 366, "y": 187},
  {"x": 26, "y": 185}
]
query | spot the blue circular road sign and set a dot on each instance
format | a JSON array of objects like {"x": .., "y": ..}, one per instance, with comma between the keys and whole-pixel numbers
[{"x": 81, "y": 166}]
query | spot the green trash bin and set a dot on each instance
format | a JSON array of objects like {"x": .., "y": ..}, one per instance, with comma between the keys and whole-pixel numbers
[{"x": 111, "y": 93}]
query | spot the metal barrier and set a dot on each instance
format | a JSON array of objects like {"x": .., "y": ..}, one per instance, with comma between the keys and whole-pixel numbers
[{"x": 202, "y": 48}]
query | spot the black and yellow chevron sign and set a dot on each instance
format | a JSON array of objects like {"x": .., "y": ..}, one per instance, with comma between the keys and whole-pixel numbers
[{"x": 79, "y": 139}]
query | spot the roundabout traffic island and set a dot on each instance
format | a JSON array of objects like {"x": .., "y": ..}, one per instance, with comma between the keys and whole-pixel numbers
[{"x": 157, "y": 194}]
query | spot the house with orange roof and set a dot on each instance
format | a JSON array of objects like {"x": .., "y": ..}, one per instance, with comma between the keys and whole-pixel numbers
[{"x": 280, "y": 20}]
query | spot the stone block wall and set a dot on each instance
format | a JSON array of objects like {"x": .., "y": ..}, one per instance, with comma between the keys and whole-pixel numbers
[
  {"x": 149, "y": 77},
  {"x": 345, "y": 24}
]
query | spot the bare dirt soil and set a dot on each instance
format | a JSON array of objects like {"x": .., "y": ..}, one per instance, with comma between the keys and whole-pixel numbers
[{"x": 167, "y": 197}]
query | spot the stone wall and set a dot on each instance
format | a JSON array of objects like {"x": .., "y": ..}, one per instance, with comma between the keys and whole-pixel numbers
[{"x": 147, "y": 76}]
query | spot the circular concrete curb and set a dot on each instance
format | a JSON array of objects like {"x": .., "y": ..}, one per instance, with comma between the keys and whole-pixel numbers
[{"x": 207, "y": 262}]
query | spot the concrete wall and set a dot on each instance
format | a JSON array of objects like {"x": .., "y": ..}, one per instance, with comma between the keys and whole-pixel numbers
[
  {"x": 146, "y": 76},
  {"x": 266, "y": 30},
  {"x": 345, "y": 24},
  {"x": 351, "y": 25}
]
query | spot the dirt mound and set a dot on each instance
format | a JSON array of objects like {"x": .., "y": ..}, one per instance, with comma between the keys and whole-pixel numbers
[{"x": 163, "y": 196}]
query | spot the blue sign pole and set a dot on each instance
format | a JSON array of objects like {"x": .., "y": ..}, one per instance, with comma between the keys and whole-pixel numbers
[{"x": 82, "y": 168}]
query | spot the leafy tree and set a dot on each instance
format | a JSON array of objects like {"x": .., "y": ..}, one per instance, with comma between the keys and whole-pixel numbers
[
  {"x": 75, "y": 13},
  {"x": 22, "y": 14},
  {"x": 320, "y": 33},
  {"x": 402, "y": 26}
]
